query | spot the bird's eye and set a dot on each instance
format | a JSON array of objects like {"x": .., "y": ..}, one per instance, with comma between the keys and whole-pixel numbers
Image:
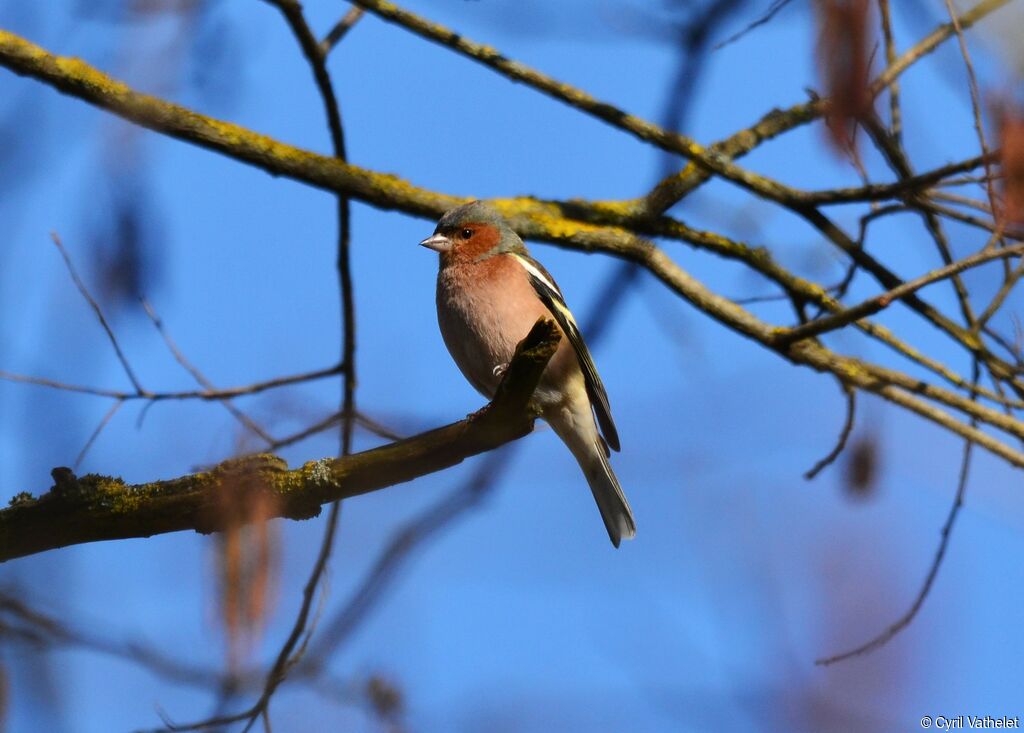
[{"x": 467, "y": 233}]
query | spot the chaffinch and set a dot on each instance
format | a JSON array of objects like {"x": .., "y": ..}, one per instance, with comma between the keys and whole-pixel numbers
[{"x": 490, "y": 292}]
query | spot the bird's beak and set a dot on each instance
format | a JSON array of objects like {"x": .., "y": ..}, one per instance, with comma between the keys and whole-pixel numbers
[{"x": 437, "y": 242}]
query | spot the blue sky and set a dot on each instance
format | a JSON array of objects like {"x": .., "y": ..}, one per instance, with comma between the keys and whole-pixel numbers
[{"x": 520, "y": 616}]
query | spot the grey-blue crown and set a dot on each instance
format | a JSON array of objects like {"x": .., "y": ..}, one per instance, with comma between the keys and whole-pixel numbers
[{"x": 474, "y": 211}]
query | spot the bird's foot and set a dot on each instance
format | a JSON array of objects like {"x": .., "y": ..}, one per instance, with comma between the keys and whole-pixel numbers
[
  {"x": 499, "y": 371},
  {"x": 479, "y": 413}
]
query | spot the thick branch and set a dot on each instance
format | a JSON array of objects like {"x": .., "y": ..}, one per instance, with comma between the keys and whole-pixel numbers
[
  {"x": 93, "y": 508},
  {"x": 79, "y": 79}
]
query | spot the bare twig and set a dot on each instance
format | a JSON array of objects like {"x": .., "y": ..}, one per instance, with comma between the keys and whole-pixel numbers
[
  {"x": 206, "y": 395},
  {"x": 844, "y": 435},
  {"x": 879, "y": 302},
  {"x": 933, "y": 40},
  {"x": 99, "y": 313},
  {"x": 340, "y": 30},
  {"x": 972, "y": 83},
  {"x": 200, "y": 378},
  {"x": 766, "y": 18},
  {"x": 107, "y": 417}
]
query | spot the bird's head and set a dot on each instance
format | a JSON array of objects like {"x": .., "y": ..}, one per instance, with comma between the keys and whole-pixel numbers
[{"x": 471, "y": 233}]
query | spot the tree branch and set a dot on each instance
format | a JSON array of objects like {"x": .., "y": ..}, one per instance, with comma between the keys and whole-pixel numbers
[{"x": 94, "y": 508}]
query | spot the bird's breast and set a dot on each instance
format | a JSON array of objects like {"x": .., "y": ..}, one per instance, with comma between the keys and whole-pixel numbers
[{"x": 483, "y": 313}]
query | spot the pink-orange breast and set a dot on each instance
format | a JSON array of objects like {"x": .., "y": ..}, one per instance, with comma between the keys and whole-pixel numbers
[{"x": 484, "y": 310}]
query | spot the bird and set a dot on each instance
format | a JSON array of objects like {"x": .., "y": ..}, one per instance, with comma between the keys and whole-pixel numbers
[{"x": 490, "y": 292}]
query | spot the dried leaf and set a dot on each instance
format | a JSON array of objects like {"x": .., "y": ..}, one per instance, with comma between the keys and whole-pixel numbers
[
  {"x": 843, "y": 50},
  {"x": 246, "y": 557},
  {"x": 384, "y": 697},
  {"x": 1011, "y": 160},
  {"x": 862, "y": 462}
]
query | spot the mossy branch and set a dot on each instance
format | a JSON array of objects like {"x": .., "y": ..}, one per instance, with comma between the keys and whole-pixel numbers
[{"x": 93, "y": 508}]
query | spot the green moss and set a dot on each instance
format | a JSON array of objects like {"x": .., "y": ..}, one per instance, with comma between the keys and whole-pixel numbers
[{"x": 546, "y": 219}]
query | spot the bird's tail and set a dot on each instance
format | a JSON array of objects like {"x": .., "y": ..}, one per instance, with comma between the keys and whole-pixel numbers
[
  {"x": 592, "y": 456},
  {"x": 615, "y": 511}
]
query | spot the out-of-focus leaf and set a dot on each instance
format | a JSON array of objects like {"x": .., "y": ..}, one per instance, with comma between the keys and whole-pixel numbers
[
  {"x": 860, "y": 475},
  {"x": 384, "y": 697},
  {"x": 843, "y": 50},
  {"x": 1011, "y": 144},
  {"x": 247, "y": 558}
]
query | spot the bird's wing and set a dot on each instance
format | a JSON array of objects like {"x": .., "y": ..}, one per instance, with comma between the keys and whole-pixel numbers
[{"x": 551, "y": 296}]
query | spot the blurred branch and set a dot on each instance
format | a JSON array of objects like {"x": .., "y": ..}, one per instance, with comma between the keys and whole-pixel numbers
[
  {"x": 766, "y": 17},
  {"x": 940, "y": 553},
  {"x": 35, "y": 627},
  {"x": 99, "y": 313},
  {"x": 107, "y": 417},
  {"x": 933, "y": 40},
  {"x": 972, "y": 84},
  {"x": 22, "y": 623},
  {"x": 895, "y": 112},
  {"x": 92, "y": 508},
  {"x": 399, "y": 550}
]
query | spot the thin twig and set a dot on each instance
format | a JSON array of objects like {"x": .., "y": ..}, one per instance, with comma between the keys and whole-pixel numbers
[
  {"x": 895, "y": 114},
  {"x": 1001, "y": 295},
  {"x": 972, "y": 83},
  {"x": 340, "y": 30},
  {"x": 205, "y": 395},
  {"x": 879, "y": 302},
  {"x": 898, "y": 189},
  {"x": 99, "y": 429},
  {"x": 770, "y": 13},
  {"x": 99, "y": 313},
  {"x": 932, "y": 41},
  {"x": 200, "y": 378},
  {"x": 844, "y": 435},
  {"x": 966, "y": 201}
]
